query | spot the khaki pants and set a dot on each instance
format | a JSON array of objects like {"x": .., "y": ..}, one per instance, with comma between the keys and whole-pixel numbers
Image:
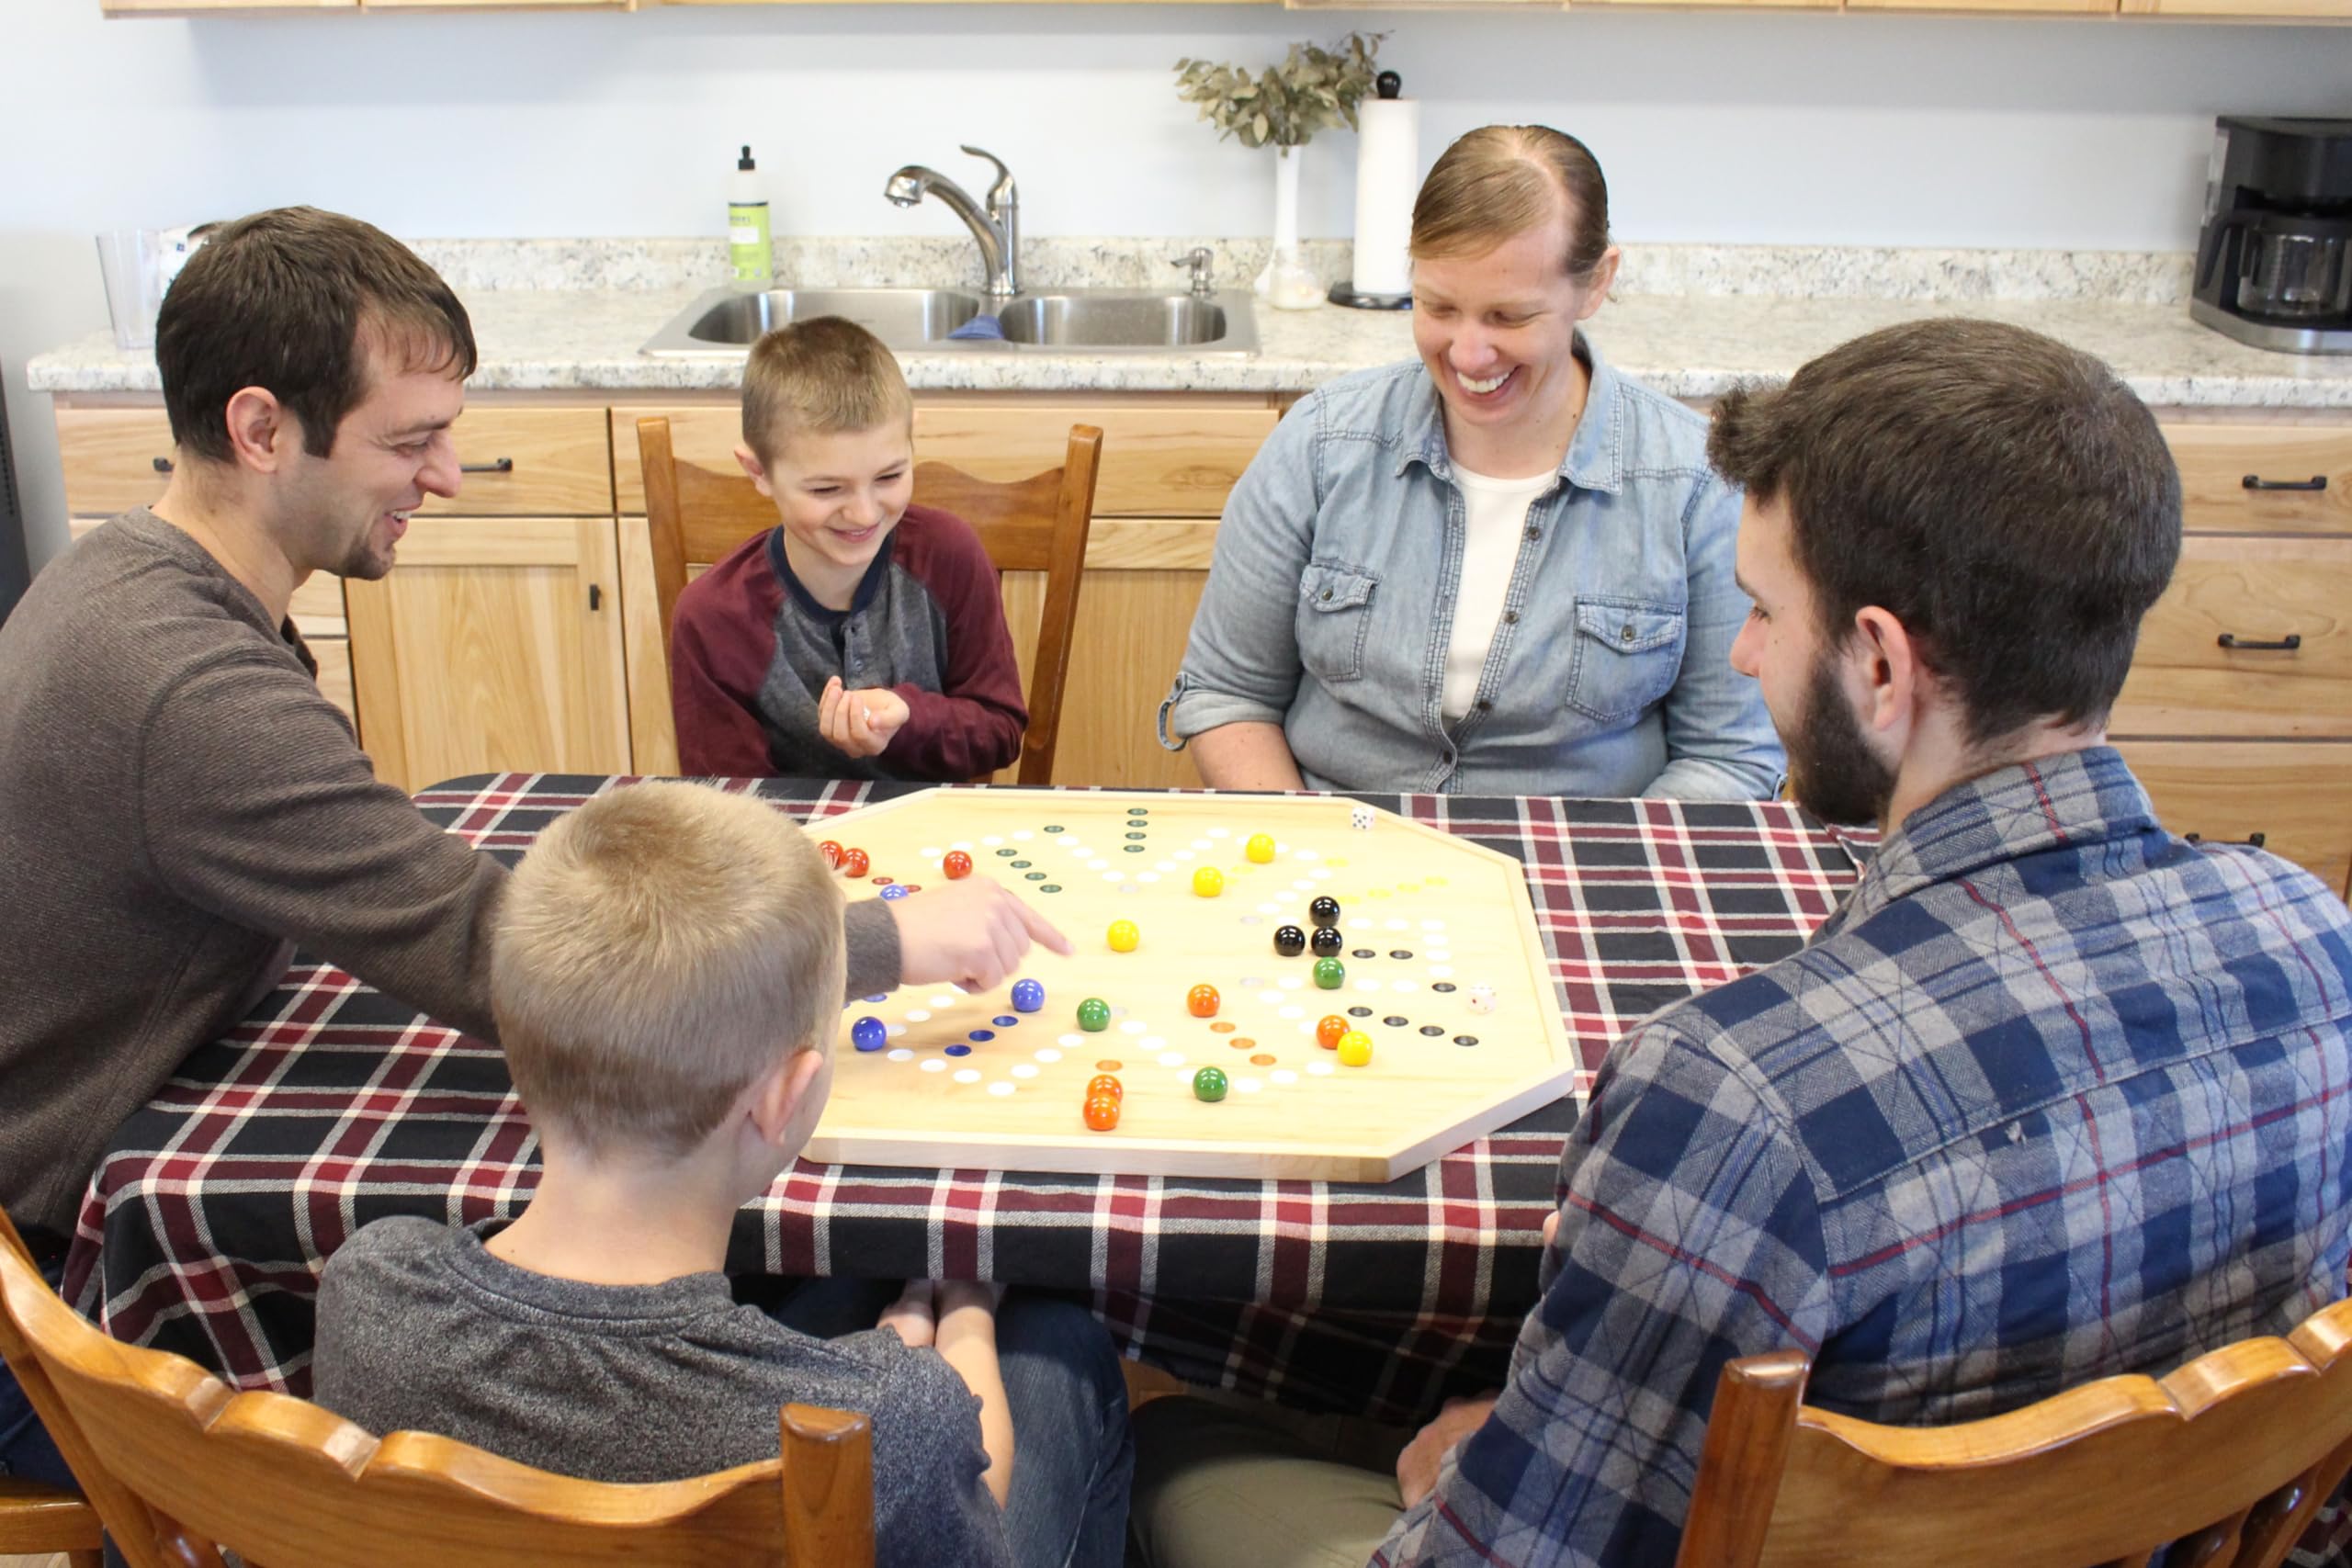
[{"x": 1231, "y": 1483}]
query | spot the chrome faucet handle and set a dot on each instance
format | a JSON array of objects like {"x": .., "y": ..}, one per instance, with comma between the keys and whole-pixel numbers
[
  {"x": 1200, "y": 258},
  {"x": 1002, "y": 193}
]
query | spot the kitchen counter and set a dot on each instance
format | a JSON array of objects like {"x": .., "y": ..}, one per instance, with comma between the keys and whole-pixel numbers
[{"x": 1690, "y": 346}]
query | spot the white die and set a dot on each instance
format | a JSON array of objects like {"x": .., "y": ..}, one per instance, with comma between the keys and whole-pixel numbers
[
  {"x": 1482, "y": 998},
  {"x": 1361, "y": 819}
]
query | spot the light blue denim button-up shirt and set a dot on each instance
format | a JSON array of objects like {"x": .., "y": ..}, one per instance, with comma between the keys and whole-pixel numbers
[{"x": 1330, "y": 599}]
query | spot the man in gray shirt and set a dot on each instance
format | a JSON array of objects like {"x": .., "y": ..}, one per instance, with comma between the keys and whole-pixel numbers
[{"x": 179, "y": 806}]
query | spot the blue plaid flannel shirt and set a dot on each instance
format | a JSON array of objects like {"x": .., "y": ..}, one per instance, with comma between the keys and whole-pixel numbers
[{"x": 2055, "y": 1096}]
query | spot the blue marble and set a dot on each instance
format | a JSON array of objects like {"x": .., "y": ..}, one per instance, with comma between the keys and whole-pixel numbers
[
  {"x": 1028, "y": 996},
  {"x": 893, "y": 890},
  {"x": 868, "y": 1033}
]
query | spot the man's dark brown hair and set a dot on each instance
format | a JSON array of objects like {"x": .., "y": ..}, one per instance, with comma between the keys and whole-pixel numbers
[
  {"x": 2007, "y": 497},
  {"x": 279, "y": 300}
]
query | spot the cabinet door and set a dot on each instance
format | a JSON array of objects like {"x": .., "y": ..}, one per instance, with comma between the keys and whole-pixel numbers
[{"x": 494, "y": 646}]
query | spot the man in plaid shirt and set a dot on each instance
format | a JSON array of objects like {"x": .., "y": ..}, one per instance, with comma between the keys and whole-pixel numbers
[{"x": 2055, "y": 1096}]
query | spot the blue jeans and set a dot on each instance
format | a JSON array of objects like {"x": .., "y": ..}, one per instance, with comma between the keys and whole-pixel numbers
[
  {"x": 26, "y": 1451},
  {"x": 1072, "y": 1457}
]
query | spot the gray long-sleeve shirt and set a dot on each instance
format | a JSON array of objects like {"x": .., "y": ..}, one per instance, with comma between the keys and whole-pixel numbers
[{"x": 179, "y": 809}]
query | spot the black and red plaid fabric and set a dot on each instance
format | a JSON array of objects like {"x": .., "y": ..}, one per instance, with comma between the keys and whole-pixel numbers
[{"x": 333, "y": 1105}]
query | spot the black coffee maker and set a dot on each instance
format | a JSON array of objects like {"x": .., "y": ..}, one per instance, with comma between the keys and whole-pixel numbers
[{"x": 2274, "y": 265}]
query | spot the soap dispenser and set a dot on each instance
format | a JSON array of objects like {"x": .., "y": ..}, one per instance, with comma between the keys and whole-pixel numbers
[{"x": 750, "y": 249}]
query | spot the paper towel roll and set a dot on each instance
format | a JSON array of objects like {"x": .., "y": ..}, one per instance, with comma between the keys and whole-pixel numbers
[{"x": 1388, "y": 150}]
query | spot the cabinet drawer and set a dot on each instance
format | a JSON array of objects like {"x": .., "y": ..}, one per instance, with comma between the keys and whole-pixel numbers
[
  {"x": 531, "y": 462},
  {"x": 113, "y": 458},
  {"x": 535, "y": 462},
  {"x": 2297, "y": 795},
  {"x": 316, "y": 607},
  {"x": 2184, "y": 681},
  {"x": 2216, "y": 461},
  {"x": 1158, "y": 461}
]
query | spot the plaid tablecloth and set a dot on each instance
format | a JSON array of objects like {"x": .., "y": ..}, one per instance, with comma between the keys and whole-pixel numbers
[{"x": 332, "y": 1105}]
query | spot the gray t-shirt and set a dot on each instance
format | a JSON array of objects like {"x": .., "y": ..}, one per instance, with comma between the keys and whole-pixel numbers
[{"x": 421, "y": 1328}]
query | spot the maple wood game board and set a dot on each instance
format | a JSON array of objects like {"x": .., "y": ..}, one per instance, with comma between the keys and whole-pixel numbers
[{"x": 1429, "y": 925}]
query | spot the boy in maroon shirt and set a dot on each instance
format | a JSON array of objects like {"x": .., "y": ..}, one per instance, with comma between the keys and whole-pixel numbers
[{"x": 862, "y": 636}]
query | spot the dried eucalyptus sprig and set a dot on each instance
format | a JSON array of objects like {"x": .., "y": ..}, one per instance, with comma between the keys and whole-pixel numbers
[{"x": 1312, "y": 90}]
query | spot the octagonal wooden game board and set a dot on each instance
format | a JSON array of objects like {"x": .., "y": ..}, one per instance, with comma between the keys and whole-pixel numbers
[{"x": 1424, "y": 917}]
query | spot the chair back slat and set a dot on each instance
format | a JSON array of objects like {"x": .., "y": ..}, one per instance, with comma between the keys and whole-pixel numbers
[
  {"x": 2232, "y": 1453},
  {"x": 282, "y": 1481},
  {"x": 697, "y": 515}
]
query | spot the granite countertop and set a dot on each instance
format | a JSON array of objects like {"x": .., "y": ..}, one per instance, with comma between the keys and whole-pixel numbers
[{"x": 1729, "y": 326}]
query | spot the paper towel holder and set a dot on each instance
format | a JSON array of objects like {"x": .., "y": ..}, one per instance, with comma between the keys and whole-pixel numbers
[{"x": 1388, "y": 84}]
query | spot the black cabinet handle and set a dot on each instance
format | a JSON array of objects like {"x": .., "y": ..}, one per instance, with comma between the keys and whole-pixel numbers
[
  {"x": 2252, "y": 840},
  {"x": 163, "y": 465},
  {"x": 2255, "y": 481},
  {"x": 2287, "y": 644},
  {"x": 499, "y": 466},
  {"x": 596, "y": 597}
]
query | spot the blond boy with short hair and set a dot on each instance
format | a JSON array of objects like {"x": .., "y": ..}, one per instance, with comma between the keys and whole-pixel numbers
[
  {"x": 667, "y": 976},
  {"x": 862, "y": 635}
]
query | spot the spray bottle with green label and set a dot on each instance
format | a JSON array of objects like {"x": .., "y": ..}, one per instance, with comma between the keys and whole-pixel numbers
[{"x": 749, "y": 248}]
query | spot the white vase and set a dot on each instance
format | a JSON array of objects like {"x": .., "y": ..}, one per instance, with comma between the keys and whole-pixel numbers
[{"x": 1286, "y": 284}]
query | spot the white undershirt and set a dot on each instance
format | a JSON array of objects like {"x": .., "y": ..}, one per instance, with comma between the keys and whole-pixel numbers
[{"x": 1494, "y": 517}]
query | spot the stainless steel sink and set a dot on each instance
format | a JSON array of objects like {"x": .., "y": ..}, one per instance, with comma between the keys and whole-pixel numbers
[
  {"x": 727, "y": 320},
  {"x": 1104, "y": 318}
]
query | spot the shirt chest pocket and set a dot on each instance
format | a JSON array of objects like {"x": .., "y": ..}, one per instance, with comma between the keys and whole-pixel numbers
[
  {"x": 1334, "y": 614},
  {"x": 1627, "y": 656}
]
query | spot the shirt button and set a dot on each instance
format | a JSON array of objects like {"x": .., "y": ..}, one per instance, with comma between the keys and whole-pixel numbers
[
  {"x": 1625, "y": 634},
  {"x": 1482, "y": 704},
  {"x": 1535, "y": 533},
  {"x": 1511, "y": 617},
  {"x": 1327, "y": 594}
]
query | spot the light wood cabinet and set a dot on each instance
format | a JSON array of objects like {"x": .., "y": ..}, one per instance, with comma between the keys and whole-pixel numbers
[
  {"x": 2237, "y": 714},
  {"x": 514, "y": 461},
  {"x": 115, "y": 459},
  {"x": 530, "y": 461},
  {"x": 494, "y": 646},
  {"x": 2253, "y": 638},
  {"x": 521, "y": 629}
]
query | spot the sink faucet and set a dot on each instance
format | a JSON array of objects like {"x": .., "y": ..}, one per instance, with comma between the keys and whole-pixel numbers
[{"x": 997, "y": 230}]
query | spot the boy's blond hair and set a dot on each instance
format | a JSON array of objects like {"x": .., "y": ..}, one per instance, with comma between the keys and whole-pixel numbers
[
  {"x": 825, "y": 375},
  {"x": 658, "y": 950}
]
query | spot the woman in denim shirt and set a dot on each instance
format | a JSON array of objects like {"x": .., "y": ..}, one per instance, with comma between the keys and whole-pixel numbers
[{"x": 1505, "y": 570}]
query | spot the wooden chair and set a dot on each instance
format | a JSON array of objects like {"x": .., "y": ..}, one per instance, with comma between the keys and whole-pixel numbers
[
  {"x": 36, "y": 1521},
  {"x": 181, "y": 1467},
  {"x": 2229, "y": 1457},
  {"x": 1039, "y": 523}
]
